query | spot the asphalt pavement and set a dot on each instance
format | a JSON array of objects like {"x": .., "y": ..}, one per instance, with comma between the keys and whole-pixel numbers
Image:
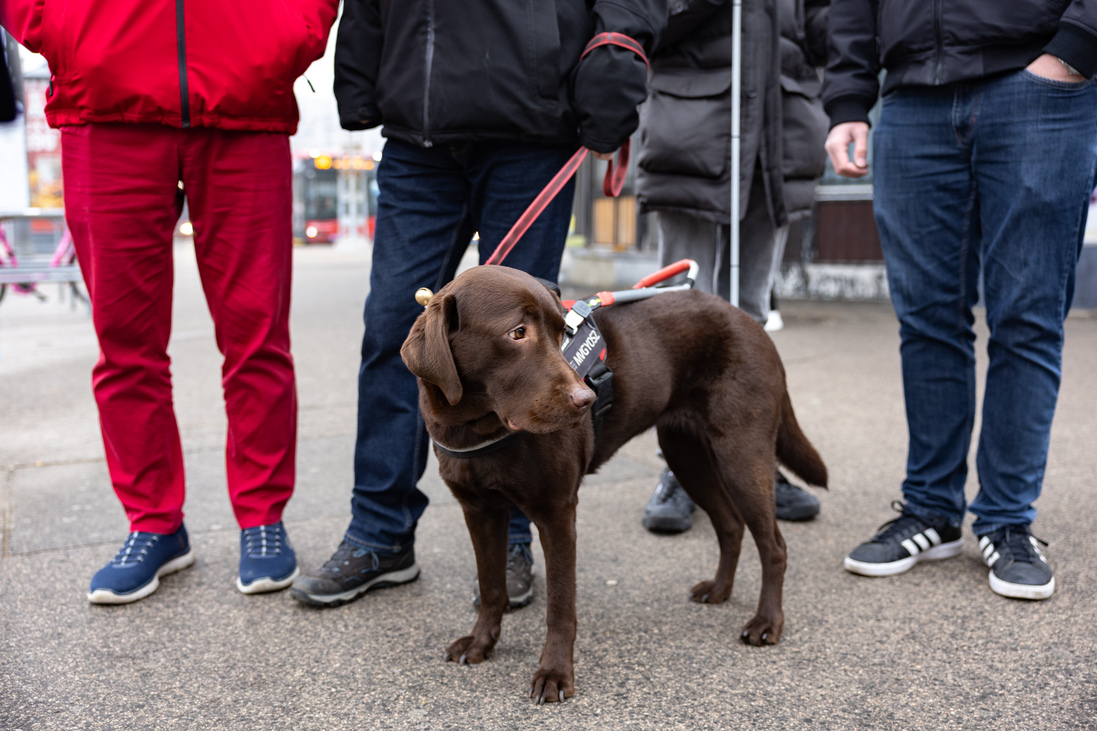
[{"x": 932, "y": 649}]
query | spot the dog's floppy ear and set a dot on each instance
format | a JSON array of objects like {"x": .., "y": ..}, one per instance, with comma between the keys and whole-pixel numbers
[{"x": 426, "y": 351}]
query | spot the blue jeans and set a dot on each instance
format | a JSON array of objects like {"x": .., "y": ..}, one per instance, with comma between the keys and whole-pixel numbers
[
  {"x": 431, "y": 202},
  {"x": 994, "y": 178}
]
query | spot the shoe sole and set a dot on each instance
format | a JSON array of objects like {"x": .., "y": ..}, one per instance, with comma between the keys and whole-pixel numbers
[
  {"x": 334, "y": 600},
  {"x": 106, "y": 596},
  {"x": 1021, "y": 591},
  {"x": 659, "y": 524},
  {"x": 266, "y": 583},
  {"x": 517, "y": 602},
  {"x": 797, "y": 514},
  {"x": 945, "y": 550}
]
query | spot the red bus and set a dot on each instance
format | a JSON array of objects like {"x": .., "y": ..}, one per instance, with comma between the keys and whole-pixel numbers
[
  {"x": 315, "y": 201},
  {"x": 317, "y": 196}
]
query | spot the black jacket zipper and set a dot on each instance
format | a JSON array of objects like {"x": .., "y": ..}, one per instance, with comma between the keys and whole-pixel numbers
[
  {"x": 939, "y": 41},
  {"x": 426, "y": 81},
  {"x": 182, "y": 45}
]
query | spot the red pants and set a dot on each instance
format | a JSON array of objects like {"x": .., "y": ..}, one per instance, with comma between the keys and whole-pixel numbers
[{"x": 122, "y": 203}]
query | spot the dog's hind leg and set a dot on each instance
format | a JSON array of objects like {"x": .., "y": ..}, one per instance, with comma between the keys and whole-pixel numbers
[
  {"x": 488, "y": 529},
  {"x": 746, "y": 468},
  {"x": 691, "y": 462}
]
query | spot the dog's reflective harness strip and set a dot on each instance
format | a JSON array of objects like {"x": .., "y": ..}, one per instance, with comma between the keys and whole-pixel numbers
[{"x": 615, "y": 173}]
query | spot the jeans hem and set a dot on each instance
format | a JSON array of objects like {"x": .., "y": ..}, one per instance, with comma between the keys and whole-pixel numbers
[
  {"x": 378, "y": 547},
  {"x": 988, "y": 528},
  {"x": 931, "y": 517}
]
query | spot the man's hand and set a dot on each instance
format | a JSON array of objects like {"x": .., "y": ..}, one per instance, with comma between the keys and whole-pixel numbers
[
  {"x": 603, "y": 156},
  {"x": 838, "y": 149},
  {"x": 1050, "y": 67}
]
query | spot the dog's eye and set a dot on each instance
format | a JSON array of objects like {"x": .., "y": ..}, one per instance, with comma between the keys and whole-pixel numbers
[{"x": 518, "y": 333}]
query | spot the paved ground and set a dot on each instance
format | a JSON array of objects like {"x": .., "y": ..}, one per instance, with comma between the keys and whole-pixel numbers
[{"x": 931, "y": 649}]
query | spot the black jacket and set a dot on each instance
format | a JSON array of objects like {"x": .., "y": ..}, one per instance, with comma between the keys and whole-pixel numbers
[
  {"x": 923, "y": 43},
  {"x": 685, "y": 130},
  {"x": 7, "y": 92},
  {"x": 446, "y": 71}
]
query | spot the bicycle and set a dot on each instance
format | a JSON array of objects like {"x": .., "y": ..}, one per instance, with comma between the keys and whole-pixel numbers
[{"x": 62, "y": 268}]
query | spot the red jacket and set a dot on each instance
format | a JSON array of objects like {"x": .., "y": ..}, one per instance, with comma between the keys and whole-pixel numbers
[{"x": 208, "y": 63}]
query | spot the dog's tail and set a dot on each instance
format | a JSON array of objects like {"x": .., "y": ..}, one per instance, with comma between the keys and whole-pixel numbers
[{"x": 795, "y": 451}]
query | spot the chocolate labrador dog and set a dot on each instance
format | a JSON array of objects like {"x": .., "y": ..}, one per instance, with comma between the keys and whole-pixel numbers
[{"x": 496, "y": 390}]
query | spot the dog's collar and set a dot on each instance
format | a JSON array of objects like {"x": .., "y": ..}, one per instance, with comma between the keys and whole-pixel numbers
[{"x": 493, "y": 445}]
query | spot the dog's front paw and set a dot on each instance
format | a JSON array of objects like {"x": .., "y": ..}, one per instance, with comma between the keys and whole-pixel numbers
[
  {"x": 762, "y": 631},
  {"x": 710, "y": 592},
  {"x": 468, "y": 651},
  {"x": 552, "y": 686}
]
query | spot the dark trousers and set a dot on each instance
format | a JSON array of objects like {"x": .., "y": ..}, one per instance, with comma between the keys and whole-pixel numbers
[
  {"x": 989, "y": 178},
  {"x": 431, "y": 202}
]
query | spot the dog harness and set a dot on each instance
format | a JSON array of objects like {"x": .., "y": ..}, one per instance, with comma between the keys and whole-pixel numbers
[{"x": 585, "y": 351}]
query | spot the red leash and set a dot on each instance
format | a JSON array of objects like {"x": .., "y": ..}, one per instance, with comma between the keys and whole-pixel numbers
[{"x": 615, "y": 173}]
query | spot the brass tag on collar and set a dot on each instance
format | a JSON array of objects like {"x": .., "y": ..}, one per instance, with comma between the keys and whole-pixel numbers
[{"x": 423, "y": 295}]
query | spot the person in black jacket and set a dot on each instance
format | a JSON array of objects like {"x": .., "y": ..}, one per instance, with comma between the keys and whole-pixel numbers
[
  {"x": 481, "y": 102},
  {"x": 984, "y": 159},
  {"x": 7, "y": 91},
  {"x": 685, "y": 175}
]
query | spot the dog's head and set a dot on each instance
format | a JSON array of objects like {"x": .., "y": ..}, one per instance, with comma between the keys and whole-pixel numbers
[{"x": 493, "y": 335}]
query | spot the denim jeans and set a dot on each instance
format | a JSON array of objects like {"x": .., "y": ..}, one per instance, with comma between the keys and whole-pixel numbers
[
  {"x": 988, "y": 178},
  {"x": 431, "y": 201}
]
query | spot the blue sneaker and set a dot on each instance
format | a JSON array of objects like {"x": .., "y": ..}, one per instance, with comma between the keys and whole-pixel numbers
[
  {"x": 267, "y": 560},
  {"x": 135, "y": 572}
]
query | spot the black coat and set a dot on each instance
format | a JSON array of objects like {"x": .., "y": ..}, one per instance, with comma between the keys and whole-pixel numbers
[
  {"x": 445, "y": 72},
  {"x": 685, "y": 131},
  {"x": 923, "y": 43},
  {"x": 7, "y": 93}
]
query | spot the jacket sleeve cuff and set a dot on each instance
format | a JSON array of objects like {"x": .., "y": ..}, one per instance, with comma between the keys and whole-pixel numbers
[
  {"x": 365, "y": 118},
  {"x": 1076, "y": 46},
  {"x": 847, "y": 109},
  {"x": 598, "y": 145}
]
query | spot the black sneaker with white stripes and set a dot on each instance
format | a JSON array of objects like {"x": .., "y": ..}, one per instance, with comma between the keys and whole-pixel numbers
[
  {"x": 903, "y": 542},
  {"x": 1018, "y": 568}
]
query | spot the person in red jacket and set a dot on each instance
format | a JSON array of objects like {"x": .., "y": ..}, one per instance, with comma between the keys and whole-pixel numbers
[{"x": 157, "y": 101}]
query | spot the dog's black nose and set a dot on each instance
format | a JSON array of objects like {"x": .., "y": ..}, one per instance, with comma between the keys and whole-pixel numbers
[{"x": 582, "y": 397}]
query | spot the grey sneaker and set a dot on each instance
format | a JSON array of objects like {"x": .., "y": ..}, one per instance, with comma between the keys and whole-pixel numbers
[
  {"x": 670, "y": 509},
  {"x": 794, "y": 503},
  {"x": 350, "y": 573},
  {"x": 519, "y": 577},
  {"x": 1018, "y": 568}
]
